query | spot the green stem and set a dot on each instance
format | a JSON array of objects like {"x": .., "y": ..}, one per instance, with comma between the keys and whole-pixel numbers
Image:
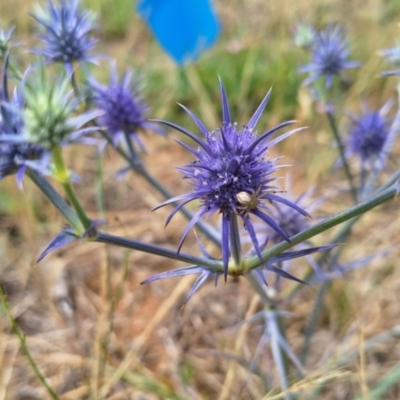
[
  {"x": 58, "y": 202},
  {"x": 17, "y": 73},
  {"x": 339, "y": 237},
  {"x": 63, "y": 175},
  {"x": 74, "y": 84},
  {"x": 340, "y": 145},
  {"x": 236, "y": 247},
  {"x": 24, "y": 347},
  {"x": 337, "y": 219}
]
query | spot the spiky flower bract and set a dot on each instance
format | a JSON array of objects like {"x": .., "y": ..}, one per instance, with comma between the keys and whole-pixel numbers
[
  {"x": 393, "y": 57},
  {"x": 49, "y": 112},
  {"x": 65, "y": 32},
  {"x": 289, "y": 220},
  {"x": 207, "y": 273},
  {"x": 14, "y": 157},
  {"x": 368, "y": 134},
  {"x": 123, "y": 109},
  {"x": 5, "y": 37},
  {"x": 232, "y": 176},
  {"x": 330, "y": 56}
]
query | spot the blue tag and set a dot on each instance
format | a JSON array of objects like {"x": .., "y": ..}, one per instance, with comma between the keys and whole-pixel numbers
[{"x": 184, "y": 28}]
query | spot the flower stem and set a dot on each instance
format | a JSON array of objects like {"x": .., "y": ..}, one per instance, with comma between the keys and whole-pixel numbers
[
  {"x": 340, "y": 236},
  {"x": 24, "y": 347},
  {"x": 340, "y": 145},
  {"x": 236, "y": 247},
  {"x": 213, "y": 265},
  {"x": 63, "y": 175},
  {"x": 74, "y": 83},
  {"x": 337, "y": 219},
  {"x": 60, "y": 204}
]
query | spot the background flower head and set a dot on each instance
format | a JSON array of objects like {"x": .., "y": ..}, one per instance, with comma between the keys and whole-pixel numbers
[
  {"x": 368, "y": 133},
  {"x": 65, "y": 32},
  {"x": 123, "y": 109},
  {"x": 330, "y": 55}
]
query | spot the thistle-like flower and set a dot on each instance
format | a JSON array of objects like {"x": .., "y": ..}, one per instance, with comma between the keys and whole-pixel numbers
[
  {"x": 231, "y": 176},
  {"x": 65, "y": 32},
  {"x": 48, "y": 113},
  {"x": 368, "y": 135},
  {"x": 14, "y": 157},
  {"x": 123, "y": 109},
  {"x": 330, "y": 56}
]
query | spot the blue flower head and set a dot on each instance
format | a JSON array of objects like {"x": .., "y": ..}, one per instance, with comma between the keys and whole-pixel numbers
[
  {"x": 330, "y": 56},
  {"x": 65, "y": 32},
  {"x": 231, "y": 175},
  {"x": 123, "y": 109},
  {"x": 15, "y": 157},
  {"x": 368, "y": 134}
]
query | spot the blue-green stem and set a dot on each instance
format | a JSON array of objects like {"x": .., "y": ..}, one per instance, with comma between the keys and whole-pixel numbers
[
  {"x": 254, "y": 261},
  {"x": 337, "y": 219},
  {"x": 63, "y": 175},
  {"x": 159, "y": 251},
  {"x": 343, "y": 159},
  {"x": 339, "y": 237},
  {"x": 74, "y": 83},
  {"x": 14, "y": 69},
  {"x": 58, "y": 202},
  {"x": 138, "y": 167},
  {"x": 24, "y": 347},
  {"x": 236, "y": 246}
]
